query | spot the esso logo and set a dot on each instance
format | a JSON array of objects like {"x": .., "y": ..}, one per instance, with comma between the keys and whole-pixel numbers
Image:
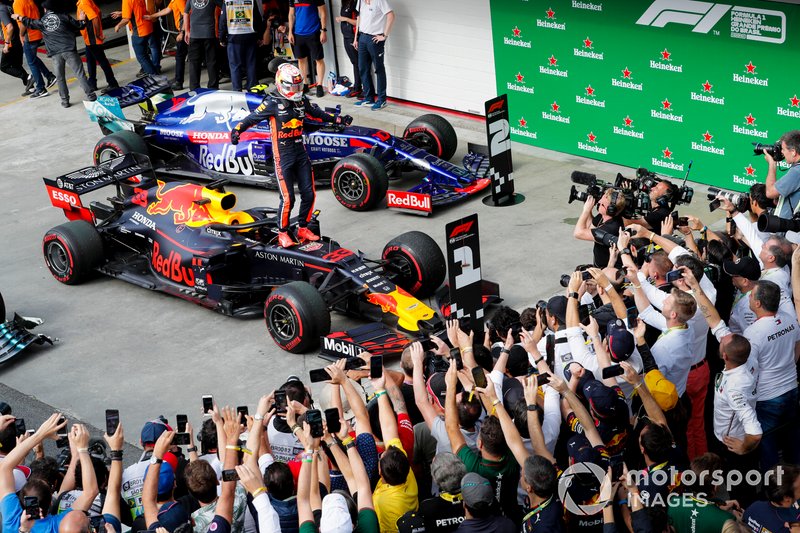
[{"x": 64, "y": 197}]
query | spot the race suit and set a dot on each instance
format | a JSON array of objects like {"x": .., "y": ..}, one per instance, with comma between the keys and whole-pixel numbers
[{"x": 292, "y": 165}]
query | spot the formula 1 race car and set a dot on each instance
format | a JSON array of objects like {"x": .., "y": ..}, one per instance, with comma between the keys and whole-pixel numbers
[
  {"x": 188, "y": 137},
  {"x": 188, "y": 240}
]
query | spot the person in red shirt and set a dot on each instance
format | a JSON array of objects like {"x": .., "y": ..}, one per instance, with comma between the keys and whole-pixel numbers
[{"x": 93, "y": 38}]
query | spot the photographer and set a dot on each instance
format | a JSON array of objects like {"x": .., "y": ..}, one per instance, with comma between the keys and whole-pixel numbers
[
  {"x": 608, "y": 218},
  {"x": 661, "y": 195},
  {"x": 787, "y": 189}
]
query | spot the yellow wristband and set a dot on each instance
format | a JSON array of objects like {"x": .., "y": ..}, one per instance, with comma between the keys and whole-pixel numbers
[
  {"x": 347, "y": 441},
  {"x": 232, "y": 447},
  {"x": 258, "y": 491}
]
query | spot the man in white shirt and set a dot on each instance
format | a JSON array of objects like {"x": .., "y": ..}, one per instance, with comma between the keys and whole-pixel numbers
[
  {"x": 373, "y": 25},
  {"x": 744, "y": 273}
]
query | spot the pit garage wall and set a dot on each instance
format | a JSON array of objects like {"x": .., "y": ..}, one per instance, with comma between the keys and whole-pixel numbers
[
  {"x": 439, "y": 53},
  {"x": 653, "y": 83}
]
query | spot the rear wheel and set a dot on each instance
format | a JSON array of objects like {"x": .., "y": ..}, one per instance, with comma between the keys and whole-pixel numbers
[
  {"x": 359, "y": 182},
  {"x": 297, "y": 317},
  {"x": 417, "y": 263},
  {"x": 117, "y": 144},
  {"x": 434, "y": 134},
  {"x": 72, "y": 251}
]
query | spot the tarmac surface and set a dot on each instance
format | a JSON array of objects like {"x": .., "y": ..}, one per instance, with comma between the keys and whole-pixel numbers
[{"x": 146, "y": 353}]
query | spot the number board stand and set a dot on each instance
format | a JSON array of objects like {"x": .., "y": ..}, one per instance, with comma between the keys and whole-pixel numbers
[
  {"x": 464, "y": 272},
  {"x": 501, "y": 168}
]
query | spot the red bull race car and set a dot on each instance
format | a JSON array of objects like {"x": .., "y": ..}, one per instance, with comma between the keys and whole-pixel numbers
[
  {"x": 190, "y": 241},
  {"x": 188, "y": 137}
]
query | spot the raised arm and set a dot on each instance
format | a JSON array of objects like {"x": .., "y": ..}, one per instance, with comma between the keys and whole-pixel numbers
[
  {"x": 513, "y": 439},
  {"x": 353, "y": 398},
  {"x": 583, "y": 228},
  {"x": 420, "y": 393},
  {"x": 15, "y": 457},
  {"x": 263, "y": 415},
  {"x": 451, "y": 410},
  {"x": 230, "y": 436},
  {"x": 150, "y": 489},
  {"x": 651, "y": 407},
  {"x": 88, "y": 479},
  {"x": 534, "y": 426},
  {"x": 385, "y": 413},
  {"x": 304, "y": 511},
  {"x": 580, "y": 411},
  {"x": 113, "y": 488}
]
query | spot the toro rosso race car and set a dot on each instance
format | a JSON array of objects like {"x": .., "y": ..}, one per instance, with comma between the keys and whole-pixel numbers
[
  {"x": 190, "y": 241},
  {"x": 188, "y": 136}
]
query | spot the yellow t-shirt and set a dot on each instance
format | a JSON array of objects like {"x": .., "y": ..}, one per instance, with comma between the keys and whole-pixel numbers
[{"x": 393, "y": 501}]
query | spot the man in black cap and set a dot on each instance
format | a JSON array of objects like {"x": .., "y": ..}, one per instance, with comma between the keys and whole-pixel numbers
[
  {"x": 481, "y": 509},
  {"x": 744, "y": 273}
]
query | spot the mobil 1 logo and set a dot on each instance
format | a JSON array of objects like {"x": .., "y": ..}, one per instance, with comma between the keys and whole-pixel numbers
[
  {"x": 464, "y": 271},
  {"x": 498, "y": 132},
  {"x": 334, "y": 349}
]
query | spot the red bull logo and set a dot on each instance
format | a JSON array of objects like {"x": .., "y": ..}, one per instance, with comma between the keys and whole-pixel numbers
[
  {"x": 387, "y": 302},
  {"x": 409, "y": 310},
  {"x": 181, "y": 200},
  {"x": 293, "y": 124}
]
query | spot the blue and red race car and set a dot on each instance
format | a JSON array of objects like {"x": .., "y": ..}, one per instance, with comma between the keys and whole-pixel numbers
[{"x": 188, "y": 137}]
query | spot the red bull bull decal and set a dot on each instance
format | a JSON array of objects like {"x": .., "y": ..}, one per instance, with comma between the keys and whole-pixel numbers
[
  {"x": 180, "y": 200},
  {"x": 409, "y": 310}
]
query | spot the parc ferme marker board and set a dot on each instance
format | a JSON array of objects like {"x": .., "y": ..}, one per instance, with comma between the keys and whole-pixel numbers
[{"x": 652, "y": 84}]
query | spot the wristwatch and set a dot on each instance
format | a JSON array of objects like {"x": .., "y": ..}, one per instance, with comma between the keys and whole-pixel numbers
[
  {"x": 155, "y": 460},
  {"x": 192, "y": 449},
  {"x": 533, "y": 407},
  {"x": 258, "y": 417},
  {"x": 323, "y": 30},
  {"x": 625, "y": 251},
  {"x": 574, "y": 295}
]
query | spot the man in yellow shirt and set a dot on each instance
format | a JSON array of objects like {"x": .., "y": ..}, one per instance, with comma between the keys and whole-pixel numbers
[{"x": 396, "y": 492}]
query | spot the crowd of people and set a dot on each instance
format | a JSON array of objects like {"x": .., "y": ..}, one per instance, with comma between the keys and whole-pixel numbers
[{"x": 231, "y": 38}]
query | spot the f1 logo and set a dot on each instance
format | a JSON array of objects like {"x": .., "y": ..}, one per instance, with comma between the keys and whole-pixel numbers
[{"x": 702, "y": 15}]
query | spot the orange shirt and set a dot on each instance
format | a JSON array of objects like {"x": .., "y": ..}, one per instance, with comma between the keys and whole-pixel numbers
[
  {"x": 27, "y": 8},
  {"x": 91, "y": 11},
  {"x": 178, "y": 7},
  {"x": 135, "y": 10}
]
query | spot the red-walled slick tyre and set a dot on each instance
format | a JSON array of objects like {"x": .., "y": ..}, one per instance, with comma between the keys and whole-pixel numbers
[
  {"x": 72, "y": 251},
  {"x": 297, "y": 317},
  {"x": 117, "y": 144},
  {"x": 434, "y": 134},
  {"x": 417, "y": 263},
  {"x": 359, "y": 182}
]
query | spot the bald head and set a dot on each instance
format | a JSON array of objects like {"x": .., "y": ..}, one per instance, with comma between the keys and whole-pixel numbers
[{"x": 74, "y": 522}]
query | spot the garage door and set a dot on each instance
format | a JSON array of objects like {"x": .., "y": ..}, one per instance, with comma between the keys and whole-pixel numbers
[{"x": 439, "y": 53}]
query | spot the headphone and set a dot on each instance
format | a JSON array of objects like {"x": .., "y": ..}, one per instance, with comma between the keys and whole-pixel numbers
[{"x": 665, "y": 200}]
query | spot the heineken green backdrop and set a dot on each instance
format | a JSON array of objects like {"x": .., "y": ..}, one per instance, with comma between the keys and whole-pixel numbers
[{"x": 653, "y": 83}]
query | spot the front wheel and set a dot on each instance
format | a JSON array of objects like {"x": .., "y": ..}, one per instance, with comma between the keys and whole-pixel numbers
[
  {"x": 417, "y": 263},
  {"x": 434, "y": 134},
  {"x": 359, "y": 182},
  {"x": 72, "y": 251},
  {"x": 297, "y": 317}
]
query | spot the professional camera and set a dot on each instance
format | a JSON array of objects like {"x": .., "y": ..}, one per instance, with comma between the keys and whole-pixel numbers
[
  {"x": 434, "y": 363},
  {"x": 648, "y": 179},
  {"x": 564, "y": 281},
  {"x": 634, "y": 202},
  {"x": 768, "y": 223},
  {"x": 741, "y": 201},
  {"x": 772, "y": 149}
]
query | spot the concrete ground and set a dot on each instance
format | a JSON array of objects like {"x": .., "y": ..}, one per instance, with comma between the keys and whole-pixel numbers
[{"x": 147, "y": 354}]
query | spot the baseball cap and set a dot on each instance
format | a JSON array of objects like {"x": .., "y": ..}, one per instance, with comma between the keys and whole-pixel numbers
[
  {"x": 166, "y": 477},
  {"x": 620, "y": 341},
  {"x": 580, "y": 450},
  {"x": 746, "y": 267},
  {"x": 335, "y": 515},
  {"x": 476, "y": 491},
  {"x": 153, "y": 429},
  {"x": 172, "y": 514},
  {"x": 518, "y": 363},
  {"x": 411, "y": 522},
  {"x": 662, "y": 389},
  {"x": 557, "y": 306},
  {"x": 513, "y": 392},
  {"x": 438, "y": 389},
  {"x": 603, "y": 399}
]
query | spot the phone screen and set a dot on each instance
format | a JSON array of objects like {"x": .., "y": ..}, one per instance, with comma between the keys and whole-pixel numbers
[
  {"x": 673, "y": 275},
  {"x": 314, "y": 419},
  {"x": 181, "y": 439},
  {"x": 19, "y": 424},
  {"x": 479, "y": 376},
  {"x": 243, "y": 411},
  {"x": 230, "y": 475},
  {"x": 280, "y": 401},
  {"x": 542, "y": 379},
  {"x": 208, "y": 404},
  {"x": 62, "y": 433},
  {"x": 181, "y": 420},
  {"x": 613, "y": 371},
  {"x": 31, "y": 504},
  {"x": 317, "y": 375},
  {"x": 376, "y": 366},
  {"x": 112, "y": 421},
  {"x": 332, "y": 421}
]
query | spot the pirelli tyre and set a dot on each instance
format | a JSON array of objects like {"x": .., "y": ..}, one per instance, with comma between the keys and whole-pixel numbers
[
  {"x": 416, "y": 262},
  {"x": 72, "y": 251},
  {"x": 434, "y": 134},
  {"x": 297, "y": 317},
  {"x": 117, "y": 144},
  {"x": 359, "y": 182}
]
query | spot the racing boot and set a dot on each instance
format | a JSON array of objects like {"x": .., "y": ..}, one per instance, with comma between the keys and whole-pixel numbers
[
  {"x": 305, "y": 234},
  {"x": 284, "y": 240}
]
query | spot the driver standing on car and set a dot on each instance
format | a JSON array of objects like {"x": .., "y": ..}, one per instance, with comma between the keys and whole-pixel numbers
[{"x": 286, "y": 109}]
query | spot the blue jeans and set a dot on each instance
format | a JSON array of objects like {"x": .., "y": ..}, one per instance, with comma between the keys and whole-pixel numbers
[
  {"x": 38, "y": 69},
  {"x": 371, "y": 53},
  {"x": 141, "y": 48},
  {"x": 242, "y": 60},
  {"x": 155, "y": 46},
  {"x": 781, "y": 433}
]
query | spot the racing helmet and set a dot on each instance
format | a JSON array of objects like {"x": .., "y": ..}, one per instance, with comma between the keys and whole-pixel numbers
[{"x": 289, "y": 82}]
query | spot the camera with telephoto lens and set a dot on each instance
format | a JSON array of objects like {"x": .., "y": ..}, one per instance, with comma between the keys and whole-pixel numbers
[
  {"x": 768, "y": 223},
  {"x": 741, "y": 201},
  {"x": 594, "y": 187},
  {"x": 434, "y": 363},
  {"x": 564, "y": 280},
  {"x": 648, "y": 179},
  {"x": 775, "y": 150}
]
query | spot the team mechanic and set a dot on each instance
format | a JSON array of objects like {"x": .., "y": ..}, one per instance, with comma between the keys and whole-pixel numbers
[{"x": 286, "y": 110}]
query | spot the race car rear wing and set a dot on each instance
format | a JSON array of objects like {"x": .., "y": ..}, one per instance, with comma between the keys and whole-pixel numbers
[
  {"x": 107, "y": 110},
  {"x": 65, "y": 191}
]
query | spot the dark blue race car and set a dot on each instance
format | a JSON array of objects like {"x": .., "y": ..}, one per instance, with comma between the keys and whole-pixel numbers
[{"x": 188, "y": 136}]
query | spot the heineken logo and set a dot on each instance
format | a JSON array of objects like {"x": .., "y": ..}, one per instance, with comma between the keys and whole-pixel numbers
[
  {"x": 587, "y": 6},
  {"x": 750, "y": 128},
  {"x": 593, "y": 146},
  {"x": 707, "y": 145},
  {"x": 743, "y": 180},
  {"x": 550, "y": 21},
  {"x": 750, "y": 76},
  {"x": 625, "y": 83},
  {"x": 518, "y": 84},
  {"x": 664, "y": 62},
  {"x": 628, "y": 129},
  {"x": 552, "y": 69},
  {"x": 524, "y": 132},
  {"x": 587, "y": 51},
  {"x": 665, "y": 161},
  {"x": 666, "y": 112},
  {"x": 794, "y": 102},
  {"x": 705, "y": 95},
  {"x": 516, "y": 40},
  {"x": 554, "y": 114}
]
